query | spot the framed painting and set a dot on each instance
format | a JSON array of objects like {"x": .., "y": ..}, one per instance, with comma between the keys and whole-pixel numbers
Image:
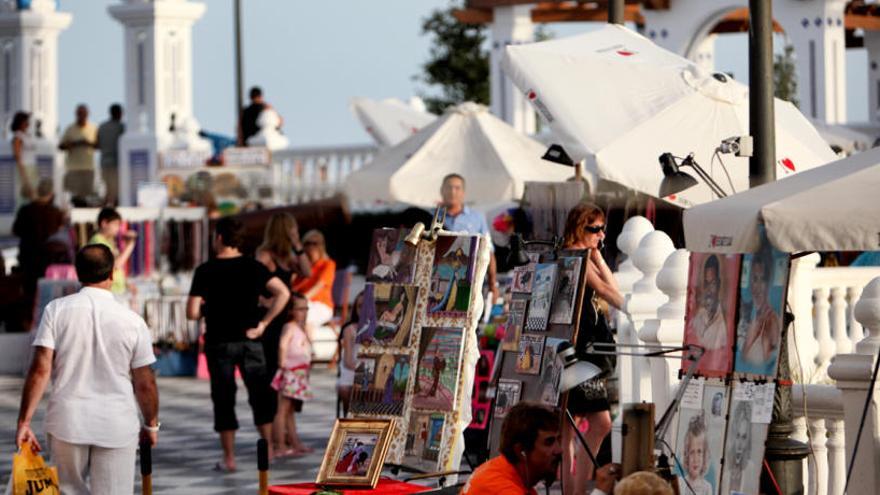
[
  {"x": 515, "y": 319},
  {"x": 531, "y": 349},
  {"x": 542, "y": 296},
  {"x": 391, "y": 259},
  {"x": 355, "y": 453},
  {"x": 388, "y": 311},
  {"x": 452, "y": 275},
  {"x": 380, "y": 383},
  {"x": 437, "y": 372},
  {"x": 506, "y": 396},
  {"x": 562, "y": 309}
]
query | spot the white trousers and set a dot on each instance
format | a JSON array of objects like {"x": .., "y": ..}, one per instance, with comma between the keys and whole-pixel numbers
[
  {"x": 319, "y": 314},
  {"x": 91, "y": 470}
]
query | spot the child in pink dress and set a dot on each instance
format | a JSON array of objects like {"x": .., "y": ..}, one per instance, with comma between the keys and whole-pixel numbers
[{"x": 292, "y": 378}]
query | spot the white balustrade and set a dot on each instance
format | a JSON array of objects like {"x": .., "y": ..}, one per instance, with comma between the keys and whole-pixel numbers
[
  {"x": 668, "y": 328},
  {"x": 853, "y": 373},
  {"x": 314, "y": 173},
  {"x": 820, "y": 408}
]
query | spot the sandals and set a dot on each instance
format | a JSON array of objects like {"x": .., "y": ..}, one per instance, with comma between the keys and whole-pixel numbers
[{"x": 221, "y": 467}]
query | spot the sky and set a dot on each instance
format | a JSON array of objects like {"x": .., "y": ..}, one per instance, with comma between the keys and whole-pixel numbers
[{"x": 310, "y": 58}]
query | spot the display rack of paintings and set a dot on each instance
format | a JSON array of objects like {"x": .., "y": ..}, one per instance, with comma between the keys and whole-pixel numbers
[
  {"x": 538, "y": 321},
  {"x": 418, "y": 348}
]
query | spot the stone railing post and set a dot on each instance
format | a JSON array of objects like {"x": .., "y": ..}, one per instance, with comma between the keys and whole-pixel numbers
[
  {"x": 642, "y": 305},
  {"x": 853, "y": 374},
  {"x": 668, "y": 328},
  {"x": 824, "y": 406},
  {"x": 634, "y": 230}
]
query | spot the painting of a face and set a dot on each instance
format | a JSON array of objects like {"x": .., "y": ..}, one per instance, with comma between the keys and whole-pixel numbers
[
  {"x": 741, "y": 441},
  {"x": 696, "y": 452},
  {"x": 711, "y": 286}
]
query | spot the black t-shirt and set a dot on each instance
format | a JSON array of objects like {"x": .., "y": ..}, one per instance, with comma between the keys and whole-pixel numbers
[
  {"x": 231, "y": 288},
  {"x": 249, "y": 120}
]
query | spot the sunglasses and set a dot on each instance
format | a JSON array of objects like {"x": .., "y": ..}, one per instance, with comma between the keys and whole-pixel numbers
[{"x": 595, "y": 229}]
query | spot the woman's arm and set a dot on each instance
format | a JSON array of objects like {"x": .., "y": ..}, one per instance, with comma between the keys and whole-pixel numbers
[
  {"x": 284, "y": 343},
  {"x": 348, "y": 336},
  {"x": 26, "y": 186},
  {"x": 602, "y": 287}
]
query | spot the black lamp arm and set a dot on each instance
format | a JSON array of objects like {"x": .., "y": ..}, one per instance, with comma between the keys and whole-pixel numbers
[{"x": 690, "y": 162}]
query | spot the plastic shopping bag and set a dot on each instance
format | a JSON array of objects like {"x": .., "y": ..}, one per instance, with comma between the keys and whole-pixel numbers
[{"x": 31, "y": 475}]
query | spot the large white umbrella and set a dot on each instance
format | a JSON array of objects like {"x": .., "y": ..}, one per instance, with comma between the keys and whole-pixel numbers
[
  {"x": 390, "y": 121},
  {"x": 492, "y": 156},
  {"x": 834, "y": 207},
  {"x": 619, "y": 101}
]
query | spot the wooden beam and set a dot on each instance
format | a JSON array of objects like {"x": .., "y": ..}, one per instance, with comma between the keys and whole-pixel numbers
[
  {"x": 865, "y": 22},
  {"x": 582, "y": 13},
  {"x": 488, "y": 4},
  {"x": 473, "y": 16}
]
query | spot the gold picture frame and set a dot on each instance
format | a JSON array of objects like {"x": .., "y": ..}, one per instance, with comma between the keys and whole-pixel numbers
[{"x": 356, "y": 452}]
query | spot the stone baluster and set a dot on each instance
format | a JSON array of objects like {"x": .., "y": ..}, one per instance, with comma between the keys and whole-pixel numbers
[
  {"x": 856, "y": 333},
  {"x": 825, "y": 410},
  {"x": 838, "y": 320},
  {"x": 668, "y": 328},
  {"x": 634, "y": 230},
  {"x": 853, "y": 373},
  {"x": 800, "y": 298},
  {"x": 821, "y": 326},
  {"x": 800, "y": 434},
  {"x": 642, "y": 304},
  {"x": 818, "y": 439},
  {"x": 836, "y": 455}
]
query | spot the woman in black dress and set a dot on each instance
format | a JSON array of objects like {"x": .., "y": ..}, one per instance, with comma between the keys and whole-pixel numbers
[
  {"x": 588, "y": 403},
  {"x": 282, "y": 253}
]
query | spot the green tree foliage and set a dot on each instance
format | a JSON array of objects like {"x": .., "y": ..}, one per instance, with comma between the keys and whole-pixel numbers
[
  {"x": 785, "y": 76},
  {"x": 458, "y": 64}
]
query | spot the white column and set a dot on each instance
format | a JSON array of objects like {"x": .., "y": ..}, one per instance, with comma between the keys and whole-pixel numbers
[
  {"x": 158, "y": 85},
  {"x": 29, "y": 83},
  {"x": 853, "y": 374},
  {"x": 510, "y": 26},
  {"x": 800, "y": 297},
  {"x": 872, "y": 45},
  {"x": 816, "y": 31}
]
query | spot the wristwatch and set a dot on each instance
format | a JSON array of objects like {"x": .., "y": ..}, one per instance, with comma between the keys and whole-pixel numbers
[{"x": 153, "y": 429}]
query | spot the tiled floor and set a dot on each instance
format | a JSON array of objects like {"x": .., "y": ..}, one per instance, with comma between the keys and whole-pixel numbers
[{"x": 188, "y": 446}]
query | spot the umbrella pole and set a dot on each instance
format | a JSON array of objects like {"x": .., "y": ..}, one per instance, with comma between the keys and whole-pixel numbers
[{"x": 615, "y": 11}]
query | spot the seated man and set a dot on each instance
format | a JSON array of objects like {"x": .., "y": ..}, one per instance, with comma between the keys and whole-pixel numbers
[{"x": 530, "y": 452}]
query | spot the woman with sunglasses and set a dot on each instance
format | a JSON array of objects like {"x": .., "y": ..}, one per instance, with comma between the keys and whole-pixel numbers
[{"x": 588, "y": 403}]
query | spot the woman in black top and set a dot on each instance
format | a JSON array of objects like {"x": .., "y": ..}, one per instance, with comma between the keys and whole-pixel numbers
[
  {"x": 588, "y": 403},
  {"x": 282, "y": 253}
]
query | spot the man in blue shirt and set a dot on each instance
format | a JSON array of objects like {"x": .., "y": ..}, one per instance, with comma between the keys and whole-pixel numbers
[{"x": 460, "y": 218}]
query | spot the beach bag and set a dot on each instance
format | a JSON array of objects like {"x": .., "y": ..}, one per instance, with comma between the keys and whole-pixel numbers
[{"x": 31, "y": 475}]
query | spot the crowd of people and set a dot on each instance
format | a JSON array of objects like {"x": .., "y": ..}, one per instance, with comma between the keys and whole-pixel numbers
[{"x": 258, "y": 314}]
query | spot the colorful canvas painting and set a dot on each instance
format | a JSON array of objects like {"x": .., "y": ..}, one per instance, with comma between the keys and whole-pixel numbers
[
  {"x": 711, "y": 310},
  {"x": 522, "y": 278},
  {"x": 380, "y": 384},
  {"x": 700, "y": 441},
  {"x": 531, "y": 349},
  {"x": 763, "y": 282},
  {"x": 391, "y": 259},
  {"x": 388, "y": 311},
  {"x": 452, "y": 275},
  {"x": 437, "y": 372},
  {"x": 515, "y": 318},
  {"x": 551, "y": 371},
  {"x": 743, "y": 448},
  {"x": 423, "y": 440},
  {"x": 354, "y": 457},
  {"x": 542, "y": 296},
  {"x": 562, "y": 308},
  {"x": 506, "y": 396}
]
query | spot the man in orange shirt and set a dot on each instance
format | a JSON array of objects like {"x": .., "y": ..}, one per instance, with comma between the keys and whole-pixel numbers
[{"x": 530, "y": 452}]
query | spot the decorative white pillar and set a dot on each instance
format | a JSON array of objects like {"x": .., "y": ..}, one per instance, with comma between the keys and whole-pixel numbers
[
  {"x": 29, "y": 83},
  {"x": 872, "y": 45},
  {"x": 511, "y": 25},
  {"x": 668, "y": 328},
  {"x": 853, "y": 374},
  {"x": 816, "y": 31},
  {"x": 158, "y": 84},
  {"x": 800, "y": 298}
]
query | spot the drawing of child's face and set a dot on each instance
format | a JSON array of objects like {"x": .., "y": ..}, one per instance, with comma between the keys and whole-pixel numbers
[
  {"x": 696, "y": 450},
  {"x": 741, "y": 441}
]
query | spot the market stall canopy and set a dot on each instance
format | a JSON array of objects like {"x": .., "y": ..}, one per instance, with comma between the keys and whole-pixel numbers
[
  {"x": 493, "y": 157},
  {"x": 834, "y": 207},
  {"x": 619, "y": 101},
  {"x": 390, "y": 121}
]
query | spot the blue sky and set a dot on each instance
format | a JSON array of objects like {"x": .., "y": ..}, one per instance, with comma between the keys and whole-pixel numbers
[{"x": 310, "y": 58}]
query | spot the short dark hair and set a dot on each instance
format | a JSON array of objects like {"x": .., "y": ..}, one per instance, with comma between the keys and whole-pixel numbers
[
  {"x": 713, "y": 263},
  {"x": 94, "y": 264},
  {"x": 45, "y": 187},
  {"x": 255, "y": 92},
  {"x": 18, "y": 120},
  {"x": 116, "y": 111},
  {"x": 231, "y": 232},
  {"x": 108, "y": 214},
  {"x": 454, "y": 176},
  {"x": 521, "y": 426}
]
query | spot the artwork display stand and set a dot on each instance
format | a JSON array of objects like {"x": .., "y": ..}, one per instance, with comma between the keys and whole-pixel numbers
[
  {"x": 526, "y": 375},
  {"x": 433, "y": 355}
]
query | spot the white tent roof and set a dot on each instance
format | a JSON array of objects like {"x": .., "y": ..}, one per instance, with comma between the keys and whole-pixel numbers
[
  {"x": 834, "y": 207},
  {"x": 494, "y": 159},
  {"x": 619, "y": 101},
  {"x": 390, "y": 121}
]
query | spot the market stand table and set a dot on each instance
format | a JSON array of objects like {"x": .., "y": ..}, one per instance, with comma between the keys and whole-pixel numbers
[{"x": 385, "y": 487}]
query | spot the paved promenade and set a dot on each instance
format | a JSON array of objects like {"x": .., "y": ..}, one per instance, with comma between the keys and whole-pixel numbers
[{"x": 188, "y": 446}]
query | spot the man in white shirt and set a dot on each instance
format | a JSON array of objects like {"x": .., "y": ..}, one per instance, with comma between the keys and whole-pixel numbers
[{"x": 94, "y": 349}]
